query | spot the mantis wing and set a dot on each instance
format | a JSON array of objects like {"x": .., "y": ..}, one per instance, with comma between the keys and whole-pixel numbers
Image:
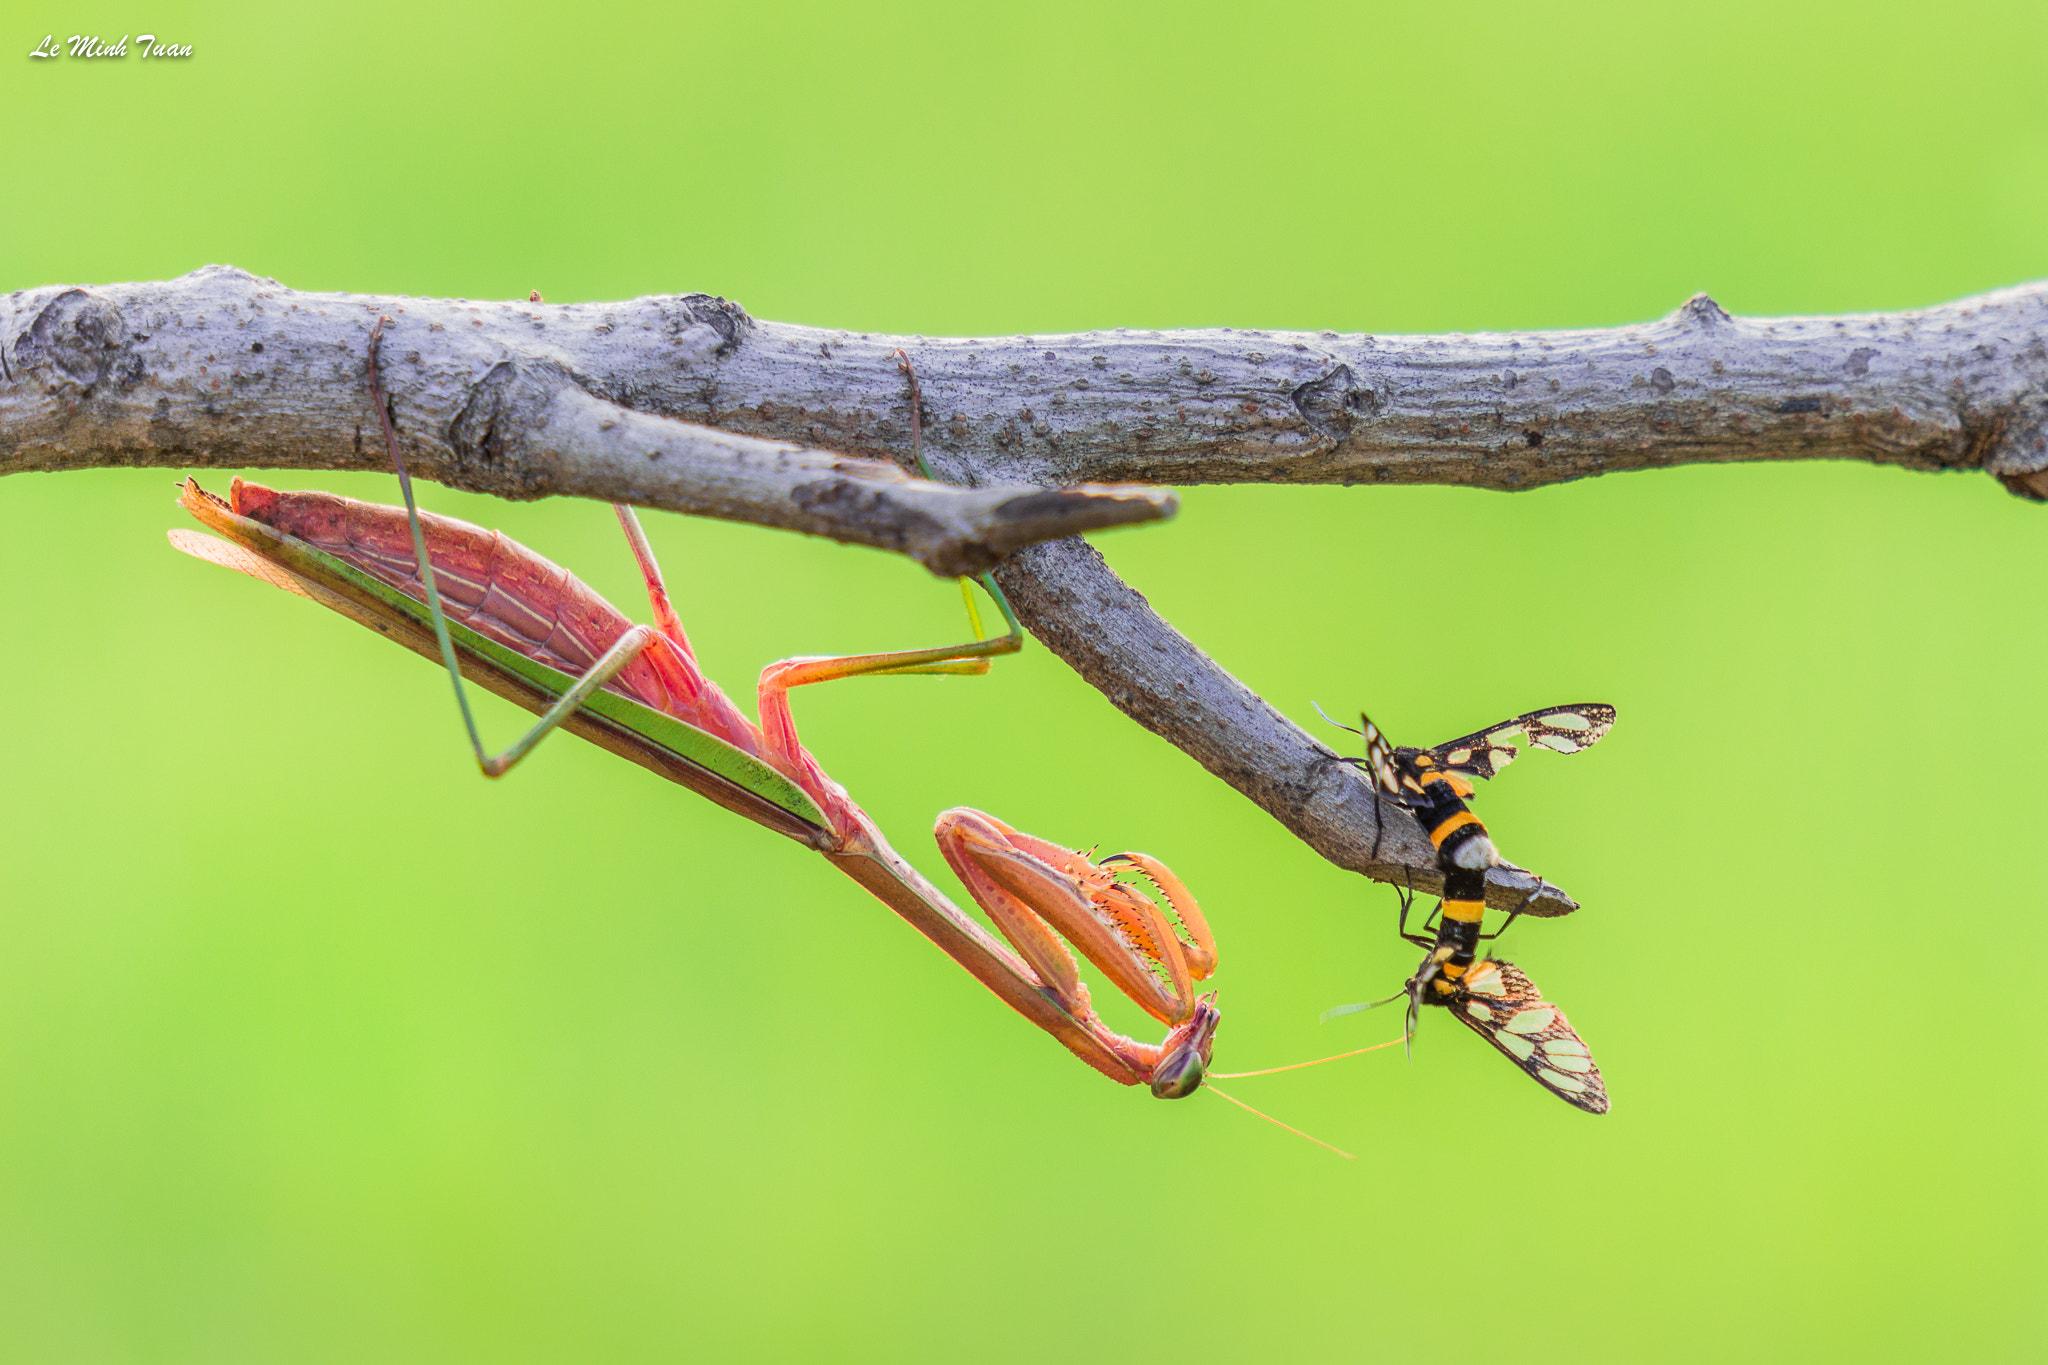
[{"x": 688, "y": 756}]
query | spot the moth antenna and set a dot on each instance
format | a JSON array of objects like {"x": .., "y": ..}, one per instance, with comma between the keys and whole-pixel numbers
[
  {"x": 1278, "y": 1124},
  {"x": 1338, "y": 1011},
  {"x": 1333, "y": 720}
]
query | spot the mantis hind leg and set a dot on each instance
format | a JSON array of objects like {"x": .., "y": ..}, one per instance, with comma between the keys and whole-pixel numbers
[{"x": 621, "y": 652}]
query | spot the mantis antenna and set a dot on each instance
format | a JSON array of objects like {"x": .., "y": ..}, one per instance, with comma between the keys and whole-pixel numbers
[
  {"x": 1296, "y": 1066},
  {"x": 1224, "y": 1094}
]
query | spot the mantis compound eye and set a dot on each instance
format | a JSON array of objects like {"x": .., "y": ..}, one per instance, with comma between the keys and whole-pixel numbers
[
  {"x": 1178, "y": 1075},
  {"x": 1185, "y": 1059}
]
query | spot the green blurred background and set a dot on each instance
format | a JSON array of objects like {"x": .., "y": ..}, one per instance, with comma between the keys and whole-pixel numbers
[{"x": 316, "y": 1047}]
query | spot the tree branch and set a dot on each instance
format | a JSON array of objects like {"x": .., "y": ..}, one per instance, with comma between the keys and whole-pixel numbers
[
  {"x": 1108, "y": 633},
  {"x": 113, "y": 376},
  {"x": 221, "y": 369},
  {"x": 521, "y": 400},
  {"x": 1961, "y": 386}
]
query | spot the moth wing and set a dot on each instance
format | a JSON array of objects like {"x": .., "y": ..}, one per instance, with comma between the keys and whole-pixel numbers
[
  {"x": 1497, "y": 1001},
  {"x": 1561, "y": 729},
  {"x": 1568, "y": 729},
  {"x": 1474, "y": 757},
  {"x": 1379, "y": 759}
]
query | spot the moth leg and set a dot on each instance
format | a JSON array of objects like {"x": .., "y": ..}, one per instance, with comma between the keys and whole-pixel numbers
[
  {"x": 1407, "y": 894},
  {"x": 1379, "y": 820},
  {"x": 1515, "y": 913}
]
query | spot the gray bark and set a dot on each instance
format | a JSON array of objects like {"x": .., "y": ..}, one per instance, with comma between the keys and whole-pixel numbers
[
  {"x": 220, "y": 369},
  {"x": 167, "y": 373},
  {"x": 525, "y": 399}
]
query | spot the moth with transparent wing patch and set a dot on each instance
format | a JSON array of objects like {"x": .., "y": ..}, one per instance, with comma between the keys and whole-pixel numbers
[
  {"x": 1434, "y": 784},
  {"x": 1493, "y": 998}
]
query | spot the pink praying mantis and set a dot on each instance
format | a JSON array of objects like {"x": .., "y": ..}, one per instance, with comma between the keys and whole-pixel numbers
[{"x": 526, "y": 629}]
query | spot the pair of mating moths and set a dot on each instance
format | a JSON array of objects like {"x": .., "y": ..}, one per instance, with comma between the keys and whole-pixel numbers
[{"x": 1489, "y": 995}]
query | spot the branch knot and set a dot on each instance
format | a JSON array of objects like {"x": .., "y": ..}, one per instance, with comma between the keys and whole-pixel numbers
[
  {"x": 1702, "y": 311},
  {"x": 1335, "y": 403},
  {"x": 76, "y": 335}
]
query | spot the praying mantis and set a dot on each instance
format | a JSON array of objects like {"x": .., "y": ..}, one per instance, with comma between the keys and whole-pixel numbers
[{"x": 534, "y": 634}]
